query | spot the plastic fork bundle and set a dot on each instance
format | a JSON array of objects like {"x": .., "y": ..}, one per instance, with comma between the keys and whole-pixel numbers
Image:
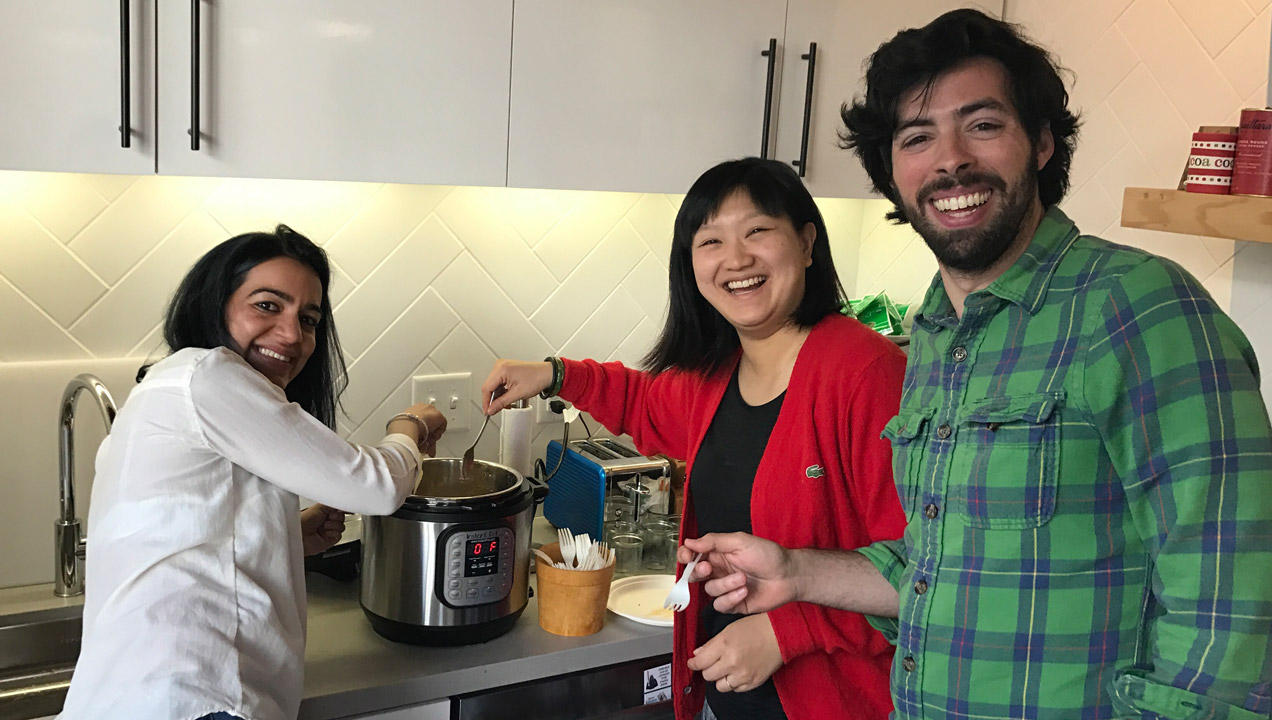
[{"x": 580, "y": 552}]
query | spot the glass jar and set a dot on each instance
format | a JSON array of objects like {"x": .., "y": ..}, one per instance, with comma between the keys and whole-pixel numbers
[
  {"x": 628, "y": 552},
  {"x": 619, "y": 527},
  {"x": 661, "y": 539}
]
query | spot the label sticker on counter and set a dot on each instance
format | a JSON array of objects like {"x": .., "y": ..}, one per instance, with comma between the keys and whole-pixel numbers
[{"x": 657, "y": 684}]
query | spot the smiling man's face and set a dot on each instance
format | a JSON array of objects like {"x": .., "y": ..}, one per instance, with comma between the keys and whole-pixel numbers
[{"x": 965, "y": 168}]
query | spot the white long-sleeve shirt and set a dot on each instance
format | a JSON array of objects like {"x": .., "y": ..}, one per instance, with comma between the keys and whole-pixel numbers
[{"x": 195, "y": 592}]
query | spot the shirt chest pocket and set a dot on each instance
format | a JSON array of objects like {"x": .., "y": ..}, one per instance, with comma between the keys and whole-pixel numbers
[
  {"x": 905, "y": 433},
  {"x": 1006, "y": 460}
]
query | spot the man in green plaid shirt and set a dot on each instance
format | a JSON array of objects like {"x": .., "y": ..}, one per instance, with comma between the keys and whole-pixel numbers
[{"x": 1082, "y": 450}]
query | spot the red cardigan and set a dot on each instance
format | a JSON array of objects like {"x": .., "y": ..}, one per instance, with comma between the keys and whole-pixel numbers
[{"x": 825, "y": 481}]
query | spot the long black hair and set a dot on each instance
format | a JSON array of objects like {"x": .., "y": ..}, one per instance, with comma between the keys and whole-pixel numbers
[
  {"x": 196, "y": 316},
  {"x": 695, "y": 336},
  {"x": 915, "y": 58}
]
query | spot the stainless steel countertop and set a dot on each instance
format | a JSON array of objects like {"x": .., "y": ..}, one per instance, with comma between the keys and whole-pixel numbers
[{"x": 351, "y": 670}]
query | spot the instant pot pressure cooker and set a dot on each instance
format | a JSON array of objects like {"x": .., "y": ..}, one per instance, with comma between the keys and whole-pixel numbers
[{"x": 451, "y": 566}]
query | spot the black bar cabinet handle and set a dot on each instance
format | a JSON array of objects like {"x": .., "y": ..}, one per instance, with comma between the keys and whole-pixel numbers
[
  {"x": 771, "y": 54},
  {"x": 125, "y": 76},
  {"x": 802, "y": 162},
  {"x": 194, "y": 75}
]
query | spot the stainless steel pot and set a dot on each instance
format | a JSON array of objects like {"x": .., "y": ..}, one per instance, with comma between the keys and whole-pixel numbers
[{"x": 451, "y": 566}]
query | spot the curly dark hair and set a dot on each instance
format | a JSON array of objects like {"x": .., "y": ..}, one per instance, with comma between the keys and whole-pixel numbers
[
  {"x": 695, "y": 336},
  {"x": 916, "y": 57},
  {"x": 196, "y": 315}
]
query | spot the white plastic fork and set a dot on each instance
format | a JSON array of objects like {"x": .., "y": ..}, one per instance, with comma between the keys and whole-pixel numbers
[
  {"x": 582, "y": 551},
  {"x": 566, "y": 540},
  {"x": 678, "y": 598}
]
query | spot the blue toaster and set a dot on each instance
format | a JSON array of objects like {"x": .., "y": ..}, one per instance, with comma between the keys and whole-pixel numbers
[{"x": 591, "y": 469}]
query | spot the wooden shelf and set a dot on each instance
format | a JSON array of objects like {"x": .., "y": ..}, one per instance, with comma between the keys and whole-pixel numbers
[{"x": 1236, "y": 217}]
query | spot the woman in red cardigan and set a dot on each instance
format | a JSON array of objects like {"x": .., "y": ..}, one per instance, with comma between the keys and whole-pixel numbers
[{"x": 776, "y": 401}]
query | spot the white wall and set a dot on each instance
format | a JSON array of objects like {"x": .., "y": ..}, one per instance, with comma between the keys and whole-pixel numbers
[
  {"x": 1147, "y": 73},
  {"x": 428, "y": 280}
]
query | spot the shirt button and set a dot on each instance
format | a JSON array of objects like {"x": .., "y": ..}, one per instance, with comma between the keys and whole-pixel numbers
[
  {"x": 920, "y": 587},
  {"x": 931, "y": 511},
  {"x": 943, "y": 431},
  {"x": 688, "y": 689},
  {"x": 959, "y": 354},
  {"x": 908, "y": 664}
]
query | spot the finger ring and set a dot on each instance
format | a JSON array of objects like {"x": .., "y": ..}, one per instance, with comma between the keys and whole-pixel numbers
[{"x": 726, "y": 682}]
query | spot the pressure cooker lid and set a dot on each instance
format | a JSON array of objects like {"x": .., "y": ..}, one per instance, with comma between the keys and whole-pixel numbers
[{"x": 443, "y": 482}]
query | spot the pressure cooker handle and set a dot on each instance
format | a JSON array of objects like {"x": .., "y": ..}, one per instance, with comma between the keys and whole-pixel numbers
[{"x": 540, "y": 489}]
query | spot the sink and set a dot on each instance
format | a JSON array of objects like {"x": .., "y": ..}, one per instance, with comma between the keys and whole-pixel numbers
[{"x": 37, "y": 655}]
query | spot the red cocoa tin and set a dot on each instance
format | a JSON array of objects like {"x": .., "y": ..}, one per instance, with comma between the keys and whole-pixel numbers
[
  {"x": 1252, "y": 165},
  {"x": 1210, "y": 162}
]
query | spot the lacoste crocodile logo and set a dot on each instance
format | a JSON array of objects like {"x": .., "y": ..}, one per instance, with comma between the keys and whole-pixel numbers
[{"x": 814, "y": 471}]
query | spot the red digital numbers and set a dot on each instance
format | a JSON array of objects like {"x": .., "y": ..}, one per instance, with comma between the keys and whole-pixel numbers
[{"x": 489, "y": 548}]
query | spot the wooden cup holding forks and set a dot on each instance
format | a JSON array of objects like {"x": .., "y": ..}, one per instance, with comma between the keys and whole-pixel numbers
[{"x": 571, "y": 602}]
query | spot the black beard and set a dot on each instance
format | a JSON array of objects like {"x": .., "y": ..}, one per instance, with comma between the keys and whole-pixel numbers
[{"x": 974, "y": 250}]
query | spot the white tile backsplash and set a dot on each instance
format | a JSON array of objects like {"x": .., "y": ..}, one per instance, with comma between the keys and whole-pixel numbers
[
  {"x": 28, "y": 334},
  {"x": 394, "y": 354},
  {"x": 34, "y": 256},
  {"x": 394, "y": 285},
  {"x": 61, "y": 202},
  {"x": 379, "y": 227},
  {"x": 142, "y": 216},
  {"x": 497, "y": 247},
  {"x": 592, "y": 281},
  {"x": 135, "y": 306},
  {"x": 1216, "y": 22},
  {"x": 594, "y": 215},
  {"x": 600, "y": 335},
  {"x": 1172, "y": 52}
]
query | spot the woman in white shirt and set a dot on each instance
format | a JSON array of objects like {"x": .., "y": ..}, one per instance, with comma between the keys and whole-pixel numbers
[{"x": 195, "y": 602}]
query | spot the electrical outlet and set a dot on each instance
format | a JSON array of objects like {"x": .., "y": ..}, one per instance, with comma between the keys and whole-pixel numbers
[
  {"x": 451, "y": 394},
  {"x": 542, "y": 415}
]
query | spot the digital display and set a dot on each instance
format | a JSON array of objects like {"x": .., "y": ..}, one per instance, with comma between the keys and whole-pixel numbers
[{"x": 481, "y": 557}]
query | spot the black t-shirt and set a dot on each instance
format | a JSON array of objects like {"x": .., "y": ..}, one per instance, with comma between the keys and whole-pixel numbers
[{"x": 723, "y": 476}]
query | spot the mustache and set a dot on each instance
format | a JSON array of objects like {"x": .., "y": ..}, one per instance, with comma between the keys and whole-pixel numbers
[{"x": 965, "y": 179}]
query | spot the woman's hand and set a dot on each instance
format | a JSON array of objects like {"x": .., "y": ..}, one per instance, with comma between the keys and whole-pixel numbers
[
  {"x": 741, "y": 657},
  {"x": 320, "y": 528},
  {"x": 432, "y": 417},
  {"x": 521, "y": 380}
]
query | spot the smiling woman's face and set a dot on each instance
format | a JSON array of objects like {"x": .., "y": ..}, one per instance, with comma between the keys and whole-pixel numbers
[
  {"x": 273, "y": 318},
  {"x": 750, "y": 266}
]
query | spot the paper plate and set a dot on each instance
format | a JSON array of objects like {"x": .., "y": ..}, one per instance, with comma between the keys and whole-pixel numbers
[{"x": 640, "y": 598}]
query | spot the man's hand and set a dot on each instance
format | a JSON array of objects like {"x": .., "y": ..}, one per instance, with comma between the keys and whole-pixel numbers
[
  {"x": 741, "y": 657},
  {"x": 744, "y": 573},
  {"x": 320, "y": 528}
]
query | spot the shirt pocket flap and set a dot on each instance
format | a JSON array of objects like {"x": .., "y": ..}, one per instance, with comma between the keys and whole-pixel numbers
[
  {"x": 1032, "y": 409},
  {"x": 903, "y": 428}
]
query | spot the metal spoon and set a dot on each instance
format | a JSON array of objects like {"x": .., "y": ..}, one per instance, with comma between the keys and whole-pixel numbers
[{"x": 466, "y": 465}]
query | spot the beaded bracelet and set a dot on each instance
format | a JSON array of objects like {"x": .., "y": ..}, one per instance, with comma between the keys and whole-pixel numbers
[
  {"x": 558, "y": 377},
  {"x": 409, "y": 416}
]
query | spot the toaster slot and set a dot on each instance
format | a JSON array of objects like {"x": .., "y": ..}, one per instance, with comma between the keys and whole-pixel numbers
[
  {"x": 595, "y": 449},
  {"x": 616, "y": 447}
]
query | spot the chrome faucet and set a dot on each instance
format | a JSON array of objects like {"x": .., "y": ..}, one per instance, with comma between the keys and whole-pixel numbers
[{"x": 69, "y": 541}]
